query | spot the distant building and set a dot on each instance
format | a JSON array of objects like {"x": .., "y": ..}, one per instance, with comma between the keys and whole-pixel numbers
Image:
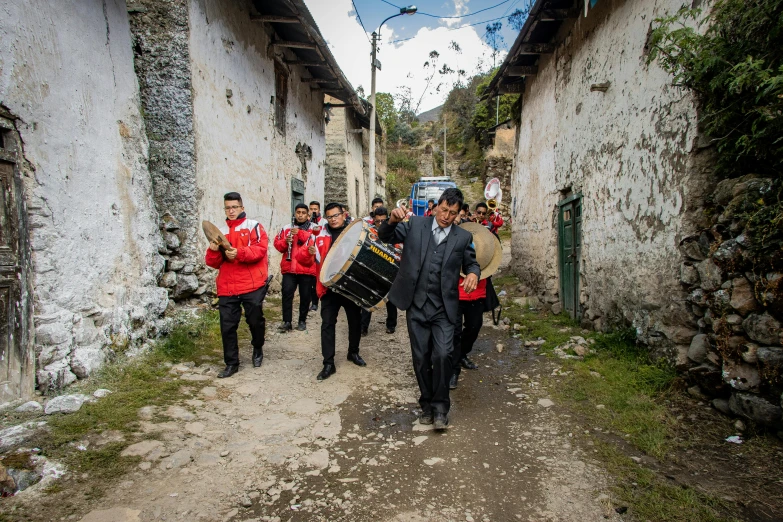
[
  {"x": 609, "y": 174},
  {"x": 347, "y": 152},
  {"x": 135, "y": 120}
]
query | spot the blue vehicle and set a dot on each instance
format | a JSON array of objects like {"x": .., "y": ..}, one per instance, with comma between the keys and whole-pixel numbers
[{"x": 425, "y": 189}]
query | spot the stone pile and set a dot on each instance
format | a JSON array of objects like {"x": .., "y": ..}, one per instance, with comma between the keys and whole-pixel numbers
[
  {"x": 180, "y": 276},
  {"x": 736, "y": 356}
]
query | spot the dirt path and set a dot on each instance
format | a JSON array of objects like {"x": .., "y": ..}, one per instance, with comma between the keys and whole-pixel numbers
[{"x": 273, "y": 443}]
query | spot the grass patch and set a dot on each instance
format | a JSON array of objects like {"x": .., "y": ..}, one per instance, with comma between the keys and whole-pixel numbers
[
  {"x": 620, "y": 376},
  {"x": 135, "y": 382},
  {"x": 651, "y": 497}
]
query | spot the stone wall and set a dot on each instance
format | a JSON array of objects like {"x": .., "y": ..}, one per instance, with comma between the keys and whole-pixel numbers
[
  {"x": 736, "y": 301},
  {"x": 347, "y": 177},
  {"x": 632, "y": 152},
  {"x": 162, "y": 63},
  {"x": 68, "y": 78}
]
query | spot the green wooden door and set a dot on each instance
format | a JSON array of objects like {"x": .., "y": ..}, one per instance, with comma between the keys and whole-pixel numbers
[{"x": 569, "y": 242}]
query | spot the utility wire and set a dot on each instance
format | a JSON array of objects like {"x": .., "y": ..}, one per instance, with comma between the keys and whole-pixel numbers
[
  {"x": 360, "y": 20},
  {"x": 454, "y": 29},
  {"x": 452, "y": 17},
  {"x": 465, "y": 15}
]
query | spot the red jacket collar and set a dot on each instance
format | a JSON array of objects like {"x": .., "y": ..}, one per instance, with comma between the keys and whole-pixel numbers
[{"x": 233, "y": 223}]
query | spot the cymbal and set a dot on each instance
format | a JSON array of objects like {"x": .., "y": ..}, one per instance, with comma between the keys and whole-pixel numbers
[{"x": 213, "y": 233}]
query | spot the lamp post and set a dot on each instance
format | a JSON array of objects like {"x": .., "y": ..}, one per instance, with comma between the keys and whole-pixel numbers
[{"x": 410, "y": 10}]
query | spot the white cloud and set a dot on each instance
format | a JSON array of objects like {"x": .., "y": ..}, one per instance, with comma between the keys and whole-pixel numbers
[
  {"x": 402, "y": 63},
  {"x": 460, "y": 9}
]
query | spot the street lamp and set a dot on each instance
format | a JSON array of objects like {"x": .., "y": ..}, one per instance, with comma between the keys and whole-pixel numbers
[{"x": 409, "y": 10}]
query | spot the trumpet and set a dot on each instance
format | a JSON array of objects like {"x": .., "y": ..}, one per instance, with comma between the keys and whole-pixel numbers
[{"x": 402, "y": 203}]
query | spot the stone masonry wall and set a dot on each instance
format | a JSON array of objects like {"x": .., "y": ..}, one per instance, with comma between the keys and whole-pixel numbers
[
  {"x": 737, "y": 303},
  {"x": 632, "y": 152},
  {"x": 162, "y": 63},
  {"x": 69, "y": 81}
]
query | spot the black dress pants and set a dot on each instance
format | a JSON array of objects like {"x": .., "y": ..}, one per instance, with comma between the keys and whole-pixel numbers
[
  {"x": 290, "y": 283},
  {"x": 313, "y": 293},
  {"x": 391, "y": 317},
  {"x": 432, "y": 344},
  {"x": 230, "y": 308},
  {"x": 469, "y": 323},
  {"x": 331, "y": 303}
]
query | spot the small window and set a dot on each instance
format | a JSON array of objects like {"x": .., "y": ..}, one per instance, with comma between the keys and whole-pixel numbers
[{"x": 281, "y": 96}]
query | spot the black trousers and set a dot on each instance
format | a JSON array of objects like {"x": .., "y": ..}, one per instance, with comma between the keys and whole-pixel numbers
[
  {"x": 290, "y": 283},
  {"x": 432, "y": 346},
  {"x": 469, "y": 323},
  {"x": 331, "y": 303},
  {"x": 313, "y": 293},
  {"x": 391, "y": 317},
  {"x": 230, "y": 308}
]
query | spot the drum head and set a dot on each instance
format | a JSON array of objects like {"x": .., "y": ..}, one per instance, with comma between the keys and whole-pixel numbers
[{"x": 339, "y": 257}]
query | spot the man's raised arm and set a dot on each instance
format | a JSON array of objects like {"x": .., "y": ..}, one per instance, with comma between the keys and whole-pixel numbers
[{"x": 393, "y": 230}]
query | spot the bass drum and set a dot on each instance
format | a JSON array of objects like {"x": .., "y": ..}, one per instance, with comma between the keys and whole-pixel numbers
[{"x": 360, "y": 267}]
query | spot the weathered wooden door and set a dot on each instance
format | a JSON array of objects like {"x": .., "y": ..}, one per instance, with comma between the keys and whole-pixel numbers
[
  {"x": 17, "y": 371},
  {"x": 569, "y": 243}
]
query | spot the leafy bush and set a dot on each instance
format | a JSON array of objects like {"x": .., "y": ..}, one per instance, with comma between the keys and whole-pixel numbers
[{"x": 735, "y": 67}]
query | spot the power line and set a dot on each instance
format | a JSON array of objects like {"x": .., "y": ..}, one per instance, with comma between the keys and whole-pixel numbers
[
  {"x": 454, "y": 29},
  {"x": 452, "y": 17},
  {"x": 360, "y": 20},
  {"x": 466, "y": 15}
]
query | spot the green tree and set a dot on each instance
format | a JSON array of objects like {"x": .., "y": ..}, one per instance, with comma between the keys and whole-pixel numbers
[
  {"x": 387, "y": 113},
  {"x": 735, "y": 68}
]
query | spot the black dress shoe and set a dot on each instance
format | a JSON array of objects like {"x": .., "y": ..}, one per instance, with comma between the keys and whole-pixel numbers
[
  {"x": 390, "y": 330},
  {"x": 285, "y": 327},
  {"x": 228, "y": 371},
  {"x": 356, "y": 359},
  {"x": 314, "y": 308},
  {"x": 425, "y": 418},
  {"x": 258, "y": 358},
  {"x": 364, "y": 333},
  {"x": 453, "y": 382},
  {"x": 468, "y": 364},
  {"x": 302, "y": 326},
  {"x": 327, "y": 372},
  {"x": 440, "y": 420}
]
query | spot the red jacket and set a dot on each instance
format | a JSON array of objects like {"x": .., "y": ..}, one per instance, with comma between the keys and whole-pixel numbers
[
  {"x": 493, "y": 225},
  {"x": 322, "y": 243},
  {"x": 248, "y": 272},
  {"x": 479, "y": 293},
  {"x": 302, "y": 241}
]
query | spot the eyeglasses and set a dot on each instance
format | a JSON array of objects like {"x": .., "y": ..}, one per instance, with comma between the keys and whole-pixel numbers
[
  {"x": 234, "y": 207},
  {"x": 480, "y": 212},
  {"x": 333, "y": 216}
]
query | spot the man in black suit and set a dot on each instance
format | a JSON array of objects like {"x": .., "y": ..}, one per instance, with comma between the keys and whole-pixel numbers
[{"x": 426, "y": 287}]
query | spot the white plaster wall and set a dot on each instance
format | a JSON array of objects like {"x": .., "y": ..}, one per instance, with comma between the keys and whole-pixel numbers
[
  {"x": 239, "y": 149},
  {"x": 67, "y": 72},
  {"x": 627, "y": 151}
]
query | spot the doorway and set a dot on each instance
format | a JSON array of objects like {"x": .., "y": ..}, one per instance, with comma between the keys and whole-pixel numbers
[
  {"x": 569, "y": 246},
  {"x": 297, "y": 194},
  {"x": 17, "y": 364}
]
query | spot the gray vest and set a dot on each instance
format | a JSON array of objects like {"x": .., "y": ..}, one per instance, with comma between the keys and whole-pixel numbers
[{"x": 428, "y": 287}]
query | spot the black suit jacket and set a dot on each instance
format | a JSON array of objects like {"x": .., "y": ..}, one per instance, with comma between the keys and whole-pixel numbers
[{"x": 415, "y": 235}]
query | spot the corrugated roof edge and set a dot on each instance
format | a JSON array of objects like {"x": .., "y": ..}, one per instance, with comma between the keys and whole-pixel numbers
[
  {"x": 512, "y": 54},
  {"x": 312, "y": 28}
]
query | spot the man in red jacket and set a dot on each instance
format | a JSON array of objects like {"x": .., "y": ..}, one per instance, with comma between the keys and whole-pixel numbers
[
  {"x": 297, "y": 237},
  {"x": 492, "y": 221},
  {"x": 241, "y": 281}
]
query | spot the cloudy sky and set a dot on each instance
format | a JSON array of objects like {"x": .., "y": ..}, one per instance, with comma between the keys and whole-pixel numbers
[{"x": 406, "y": 41}]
